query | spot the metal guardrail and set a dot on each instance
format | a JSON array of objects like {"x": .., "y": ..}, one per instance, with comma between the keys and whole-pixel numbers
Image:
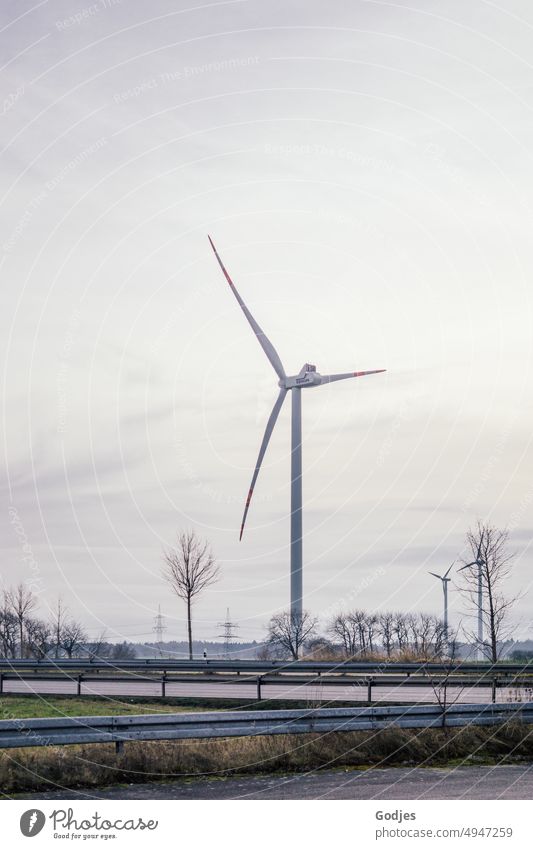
[
  {"x": 263, "y": 674},
  {"x": 59, "y": 731},
  {"x": 274, "y": 666},
  {"x": 276, "y": 680},
  {"x": 82, "y": 682}
]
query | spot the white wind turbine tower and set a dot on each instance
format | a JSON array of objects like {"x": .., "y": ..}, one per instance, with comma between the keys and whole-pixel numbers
[
  {"x": 445, "y": 581},
  {"x": 306, "y": 378},
  {"x": 479, "y": 562}
]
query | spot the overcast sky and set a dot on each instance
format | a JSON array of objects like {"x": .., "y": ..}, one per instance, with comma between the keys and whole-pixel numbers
[{"x": 365, "y": 170}]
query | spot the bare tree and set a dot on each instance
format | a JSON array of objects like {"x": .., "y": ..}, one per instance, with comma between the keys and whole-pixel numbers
[
  {"x": 439, "y": 638},
  {"x": 123, "y": 651},
  {"x": 386, "y": 631},
  {"x": 356, "y": 631},
  {"x": 289, "y": 631},
  {"x": 360, "y": 619},
  {"x": 371, "y": 629},
  {"x": 489, "y": 546},
  {"x": 8, "y": 630},
  {"x": 189, "y": 569},
  {"x": 99, "y": 648},
  {"x": 411, "y": 626},
  {"x": 37, "y": 637},
  {"x": 451, "y": 647},
  {"x": 57, "y": 624},
  {"x": 427, "y": 628},
  {"x": 400, "y": 630},
  {"x": 21, "y": 601},
  {"x": 270, "y": 651},
  {"x": 72, "y": 637},
  {"x": 345, "y": 629},
  {"x": 320, "y": 648}
]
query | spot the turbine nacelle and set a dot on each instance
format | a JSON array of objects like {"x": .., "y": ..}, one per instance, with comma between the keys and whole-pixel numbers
[
  {"x": 307, "y": 376},
  {"x": 444, "y": 578}
]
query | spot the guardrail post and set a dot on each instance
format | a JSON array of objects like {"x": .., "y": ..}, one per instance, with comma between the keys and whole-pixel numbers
[
  {"x": 258, "y": 689},
  {"x": 78, "y": 688},
  {"x": 1, "y": 682},
  {"x": 494, "y": 685},
  {"x": 369, "y": 691},
  {"x": 164, "y": 685},
  {"x": 119, "y": 747}
]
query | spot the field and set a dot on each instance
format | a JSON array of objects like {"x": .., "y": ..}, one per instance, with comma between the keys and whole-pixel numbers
[{"x": 25, "y": 707}]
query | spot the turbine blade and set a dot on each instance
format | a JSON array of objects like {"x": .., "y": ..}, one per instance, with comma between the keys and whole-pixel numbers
[
  {"x": 435, "y": 575},
  {"x": 331, "y": 378},
  {"x": 264, "y": 444},
  {"x": 263, "y": 340},
  {"x": 449, "y": 570}
]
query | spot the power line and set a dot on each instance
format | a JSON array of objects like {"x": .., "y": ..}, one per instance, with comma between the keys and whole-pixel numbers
[
  {"x": 158, "y": 628},
  {"x": 228, "y": 636}
]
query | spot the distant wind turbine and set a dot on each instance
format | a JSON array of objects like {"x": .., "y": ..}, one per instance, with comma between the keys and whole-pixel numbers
[
  {"x": 306, "y": 378},
  {"x": 445, "y": 581}
]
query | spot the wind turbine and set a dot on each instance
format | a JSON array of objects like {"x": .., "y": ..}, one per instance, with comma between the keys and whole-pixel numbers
[
  {"x": 445, "y": 581},
  {"x": 479, "y": 562},
  {"x": 306, "y": 378}
]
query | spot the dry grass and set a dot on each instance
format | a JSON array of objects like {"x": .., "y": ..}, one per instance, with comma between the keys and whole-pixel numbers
[{"x": 27, "y": 770}]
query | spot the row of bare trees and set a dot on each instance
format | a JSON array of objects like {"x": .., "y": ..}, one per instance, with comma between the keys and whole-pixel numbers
[
  {"x": 389, "y": 633},
  {"x": 23, "y": 634},
  {"x": 358, "y": 634}
]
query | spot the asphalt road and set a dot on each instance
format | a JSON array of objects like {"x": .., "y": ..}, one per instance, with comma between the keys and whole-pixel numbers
[
  {"x": 311, "y": 692},
  {"x": 474, "y": 782}
]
